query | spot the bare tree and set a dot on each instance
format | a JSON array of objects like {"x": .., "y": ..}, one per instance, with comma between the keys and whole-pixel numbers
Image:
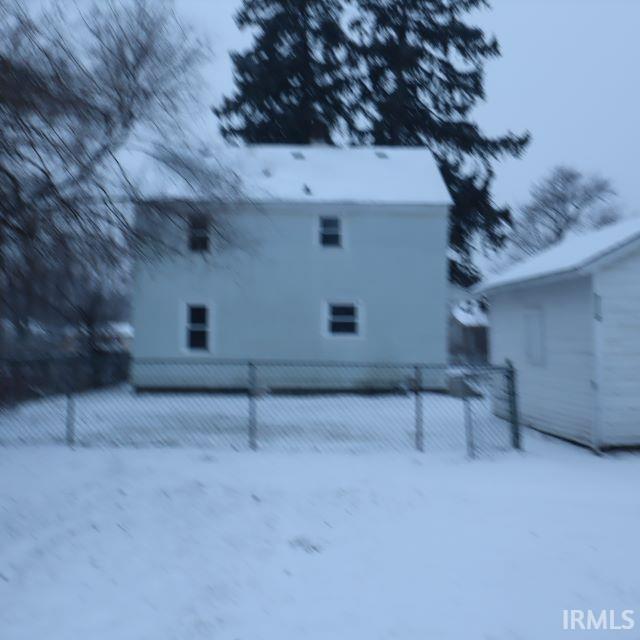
[
  {"x": 76, "y": 90},
  {"x": 565, "y": 201}
]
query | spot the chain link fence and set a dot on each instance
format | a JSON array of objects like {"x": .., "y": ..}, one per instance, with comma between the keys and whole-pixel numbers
[{"x": 273, "y": 406}]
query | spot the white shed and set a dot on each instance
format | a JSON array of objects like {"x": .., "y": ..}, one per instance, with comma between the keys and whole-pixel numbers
[{"x": 569, "y": 320}]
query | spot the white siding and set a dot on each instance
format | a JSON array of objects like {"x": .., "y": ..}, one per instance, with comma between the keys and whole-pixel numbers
[
  {"x": 269, "y": 299},
  {"x": 555, "y": 390},
  {"x": 619, "y": 288}
]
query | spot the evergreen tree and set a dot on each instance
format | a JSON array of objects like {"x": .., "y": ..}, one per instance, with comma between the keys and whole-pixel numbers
[
  {"x": 291, "y": 85},
  {"x": 409, "y": 72},
  {"x": 423, "y": 76}
]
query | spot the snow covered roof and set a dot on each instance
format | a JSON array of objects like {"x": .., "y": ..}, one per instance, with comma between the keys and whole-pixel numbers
[
  {"x": 575, "y": 254},
  {"x": 314, "y": 173},
  {"x": 469, "y": 314},
  {"x": 321, "y": 173}
]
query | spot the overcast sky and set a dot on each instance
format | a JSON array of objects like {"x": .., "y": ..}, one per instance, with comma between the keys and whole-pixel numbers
[{"x": 568, "y": 74}]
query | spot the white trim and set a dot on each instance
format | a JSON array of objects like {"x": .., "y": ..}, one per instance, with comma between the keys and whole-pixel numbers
[
  {"x": 597, "y": 323},
  {"x": 300, "y": 208},
  {"x": 326, "y": 316}
]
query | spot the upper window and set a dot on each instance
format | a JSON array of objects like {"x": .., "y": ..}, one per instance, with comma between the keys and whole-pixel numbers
[
  {"x": 344, "y": 319},
  {"x": 199, "y": 233},
  {"x": 198, "y": 327},
  {"x": 534, "y": 337},
  {"x": 330, "y": 232}
]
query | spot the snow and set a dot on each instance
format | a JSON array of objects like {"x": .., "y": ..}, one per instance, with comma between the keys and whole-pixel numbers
[
  {"x": 312, "y": 173},
  {"x": 574, "y": 253},
  {"x": 320, "y": 173},
  {"x": 470, "y": 314},
  {"x": 186, "y": 544}
]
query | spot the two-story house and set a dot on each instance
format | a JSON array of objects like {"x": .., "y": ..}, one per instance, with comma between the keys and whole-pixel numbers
[{"x": 341, "y": 258}]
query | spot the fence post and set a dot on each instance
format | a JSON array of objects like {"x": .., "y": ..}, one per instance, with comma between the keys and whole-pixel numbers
[
  {"x": 253, "y": 407},
  {"x": 419, "y": 413},
  {"x": 468, "y": 420},
  {"x": 512, "y": 392},
  {"x": 71, "y": 419}
]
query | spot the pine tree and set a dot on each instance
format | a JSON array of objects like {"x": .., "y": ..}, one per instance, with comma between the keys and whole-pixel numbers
[
  {"x": 424, "y": 75},
  {"x": 291, "y": 85}
]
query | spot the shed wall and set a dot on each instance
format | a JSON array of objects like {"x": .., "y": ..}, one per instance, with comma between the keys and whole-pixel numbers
[
  {"x": 618, "y": 286},
  {"x": 556, "y": 394}
]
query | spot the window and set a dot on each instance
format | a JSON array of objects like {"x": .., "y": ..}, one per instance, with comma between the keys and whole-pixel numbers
[
  {"x": 330, "y": 232},
  {"x": 198, "y": 328},
  {"x": 534, "y": 336},
  {"x": 199, "y": 233},
  {"x": 343, "y": 319}
]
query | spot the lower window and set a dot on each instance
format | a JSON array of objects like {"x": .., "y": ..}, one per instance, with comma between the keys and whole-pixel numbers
[
  {"x": 344, "y": 319},
  {"x": 197, "y": 327}
]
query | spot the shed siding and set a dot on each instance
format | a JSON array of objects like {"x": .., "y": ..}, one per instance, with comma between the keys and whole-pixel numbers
[
  {"x": 268, "y": 298},
  {"x": 619, "y": 288},
  {"x": 556, "y": 395}
]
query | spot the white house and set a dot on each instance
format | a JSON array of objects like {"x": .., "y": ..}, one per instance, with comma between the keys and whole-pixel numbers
[
  {"x": 569, "y": 319},
  {"x": 341, "y": 258}
]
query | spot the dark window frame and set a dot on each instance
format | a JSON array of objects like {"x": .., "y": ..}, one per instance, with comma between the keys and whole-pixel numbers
[
  {"x": 199, "y": 233},
  {"x": 198, "y": 327},
  {"x": 343, "y": 319},
  {"x": 330, "y": 234}
]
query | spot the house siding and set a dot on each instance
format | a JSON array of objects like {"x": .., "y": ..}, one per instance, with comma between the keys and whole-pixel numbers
[
  {"x": 268, "y": 296},
  {"x": 617, "y": 285},
  {"x": 556, "y": 396}
]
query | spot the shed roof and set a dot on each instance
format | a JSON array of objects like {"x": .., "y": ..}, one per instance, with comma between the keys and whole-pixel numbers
[
  {"x": 575, "y": 254},
  {"x": 314, "y": 173}
]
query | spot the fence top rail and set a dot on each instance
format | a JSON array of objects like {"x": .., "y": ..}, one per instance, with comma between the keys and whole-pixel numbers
[
  {"x": 461, "y": 369},
  {"x": 458, "y": 368}
]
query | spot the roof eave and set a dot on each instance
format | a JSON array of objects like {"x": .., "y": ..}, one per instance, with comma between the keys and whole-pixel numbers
[
  {"x": 586, "y": 268},
  {"x": 548, "y": 278},
  {"x": 294, "y": 203}
]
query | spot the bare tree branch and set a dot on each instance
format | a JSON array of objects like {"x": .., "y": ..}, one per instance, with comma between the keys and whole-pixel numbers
[{"x": 76, "y": 89}]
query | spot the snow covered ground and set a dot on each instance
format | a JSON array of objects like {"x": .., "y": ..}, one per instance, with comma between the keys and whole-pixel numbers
[
  {"x": 345, "y": 423},
  {"x": 172, "y": 544}
]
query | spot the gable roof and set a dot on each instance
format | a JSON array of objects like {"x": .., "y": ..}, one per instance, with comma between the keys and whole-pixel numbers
[
  {"x": 321, "y": 173},
  {"x": 313, "y": 173},
  {"x": 576, "y": 254}
]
